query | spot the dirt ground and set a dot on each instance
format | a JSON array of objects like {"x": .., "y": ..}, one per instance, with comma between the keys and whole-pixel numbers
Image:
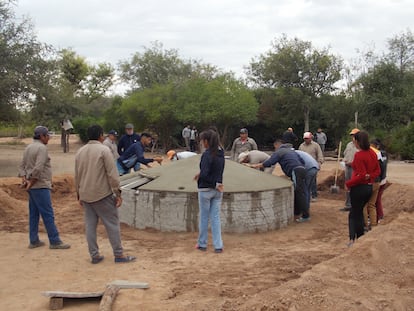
[{"x": 302, "y": 267}]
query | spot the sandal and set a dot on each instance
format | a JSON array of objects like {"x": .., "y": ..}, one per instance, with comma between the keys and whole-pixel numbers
[
  {"x": 97, "y": 259},
  {"x": 125, "y": 259}
]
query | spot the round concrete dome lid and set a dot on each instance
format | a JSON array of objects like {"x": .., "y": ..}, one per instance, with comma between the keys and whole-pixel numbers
[{"x": 178, "y": 176}]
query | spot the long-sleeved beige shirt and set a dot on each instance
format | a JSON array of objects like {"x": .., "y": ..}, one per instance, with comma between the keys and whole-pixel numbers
[
  {"x": 314, "y": 150},
  {"x": 349, "y": 153},
  {"x": 36, "y": 165},
  {"x": 112, "y": 146},
  {"x": 96, "y": 175}
]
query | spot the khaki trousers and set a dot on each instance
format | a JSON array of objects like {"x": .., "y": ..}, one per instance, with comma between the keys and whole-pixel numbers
[{"x": 370, "y": 208}]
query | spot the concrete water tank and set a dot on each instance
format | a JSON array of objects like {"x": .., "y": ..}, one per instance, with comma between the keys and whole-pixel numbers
[{"x": 165, "y": 198}]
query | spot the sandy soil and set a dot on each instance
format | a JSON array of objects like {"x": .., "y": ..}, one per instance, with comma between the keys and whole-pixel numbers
[{"x": 302, "y": 267}]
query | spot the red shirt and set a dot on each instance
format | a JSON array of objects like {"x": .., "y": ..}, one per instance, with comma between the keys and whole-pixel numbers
[{"x": 365, "y": 163}]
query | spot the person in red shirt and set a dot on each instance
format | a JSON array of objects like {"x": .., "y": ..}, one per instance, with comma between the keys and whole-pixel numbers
[{"x": 365, "y": 169}]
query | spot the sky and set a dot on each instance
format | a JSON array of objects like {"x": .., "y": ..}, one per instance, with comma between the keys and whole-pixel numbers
[{"x": 224, "y": 33}]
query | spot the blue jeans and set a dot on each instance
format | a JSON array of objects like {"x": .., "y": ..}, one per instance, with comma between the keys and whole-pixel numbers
[
  {"x": 209, "y": 205},
  {"x": 40, "y": 204},
  {"x": 122, "y": 170},
  {"x": 309, "y": 182}
]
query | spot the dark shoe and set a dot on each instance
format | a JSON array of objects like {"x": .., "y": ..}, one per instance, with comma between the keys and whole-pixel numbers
[
  {"x": 125, "y": 259},
  {"x": 59, "y": 245},
  {"x": 302, "y": 219},
  {"x": 218, "y": 250},
  {"x": 200, "y": 248},
  {"x": 36, "y": 244},
  {"x": 97, "y": 259},
  {"x": 345, "y": 209}
]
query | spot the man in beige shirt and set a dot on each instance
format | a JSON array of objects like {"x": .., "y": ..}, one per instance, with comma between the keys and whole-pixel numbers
[
  {"x": 311, "y": 147},
  {"x": 36, "y": 173},
  {"x": 110, "y": 142},
  {"x": 98, "y": 190}
]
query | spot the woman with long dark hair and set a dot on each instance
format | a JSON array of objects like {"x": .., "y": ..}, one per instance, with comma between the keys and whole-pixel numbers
[
  {"x": 210, "y": 190},
  {"x": 365, "y": 169}
]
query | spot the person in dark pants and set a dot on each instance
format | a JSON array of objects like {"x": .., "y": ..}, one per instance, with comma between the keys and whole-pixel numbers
[
  {"x": 365, "y": 169},
  {"x": 294, "y": 167}
]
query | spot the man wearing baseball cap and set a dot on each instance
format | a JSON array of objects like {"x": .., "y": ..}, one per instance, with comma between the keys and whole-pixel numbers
[
  {"x": 312, "y": 148},
  {"x": 110, "y": 142},
  {"x": 129, "y": 138},
  {"x": 349, "y": 154},
  {"x": 241, "y": 144},
  {"x": 36, "y": 174},
  {"x": 172, "y": 155}
]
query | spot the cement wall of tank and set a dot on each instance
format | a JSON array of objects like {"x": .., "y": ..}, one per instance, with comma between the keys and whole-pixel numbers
[
  {"x": 166, "y": 198},
  {"x": 240, "y": 212}
]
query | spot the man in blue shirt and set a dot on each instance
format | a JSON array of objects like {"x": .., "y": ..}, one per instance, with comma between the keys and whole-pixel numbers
[
  {"x": 294, "y": 167},
  {"x": 127, "y": 139},
  {"x": 134, "y": 155}
]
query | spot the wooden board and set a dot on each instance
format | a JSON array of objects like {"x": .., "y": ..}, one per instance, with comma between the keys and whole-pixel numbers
[{"x": 129, "y": 284}]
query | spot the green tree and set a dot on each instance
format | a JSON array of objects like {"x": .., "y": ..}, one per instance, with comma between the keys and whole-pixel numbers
[
  {"x": 223, "y": 101},
  {"x": 157, "y": 65},
  {"x": 21, "y": 61},
  {"x": 294, "y": 63}
]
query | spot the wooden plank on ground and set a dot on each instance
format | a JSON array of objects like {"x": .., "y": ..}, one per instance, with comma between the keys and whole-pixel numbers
[{"x": 129, "y": 284}]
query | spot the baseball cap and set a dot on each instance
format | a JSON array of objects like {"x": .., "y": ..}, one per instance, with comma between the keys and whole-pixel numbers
[
  {"x": 129, "y": 126},
  {"x": 113, "y": 132},
  {"x": 170, "y": 154},
  {"x": 307, "y": 135},
  {"x": 354, "y": 131},
  {"x": 41, "y": 130},
  {"x": 242, "y": 156},
  {"x": 243, "y": 131}
]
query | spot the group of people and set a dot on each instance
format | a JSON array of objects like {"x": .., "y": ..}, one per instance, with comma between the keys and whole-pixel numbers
[
  {"x": 365, "y": 179},
  {"x": 98, "y": 190},
  {"x": 301, "y": 165},
  {"x": 97, "y": 187}
]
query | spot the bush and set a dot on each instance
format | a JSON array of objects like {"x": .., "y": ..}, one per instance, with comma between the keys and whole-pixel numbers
[{"x": 15, "y": 130}]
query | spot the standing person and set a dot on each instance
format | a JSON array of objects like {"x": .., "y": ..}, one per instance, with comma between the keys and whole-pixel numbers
[
  {"x": 129, "y": 138},
  {"x": 365, "y": 169},
  {"x": 110, "y": 142},
  {"x": 134, "y": 156},
  {"x": 193, "y": 139},
  {"x": 312, "y": 167},
  {"x": 383, "y": 178},
  {"x": 289, "y": 137},
  {"x": 321, "y": 138},
  {"x": 294, "y": 167},
  {"x": 210, "y": 190},
  {"x": 370, "y": 210},
  {"x": 311, "y": 147},
  {"x": 36, "y": 173},
  {"x": 241, "y": 144},
  {"x": 349, "y": 154},
  {"x": 255, "y": 157},
  {"x": 98, "y": 191},
  {"x": 186, "y": 134}
]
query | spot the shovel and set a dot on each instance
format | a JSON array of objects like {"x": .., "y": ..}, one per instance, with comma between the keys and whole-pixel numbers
[{"x": 335, "y": 188}]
